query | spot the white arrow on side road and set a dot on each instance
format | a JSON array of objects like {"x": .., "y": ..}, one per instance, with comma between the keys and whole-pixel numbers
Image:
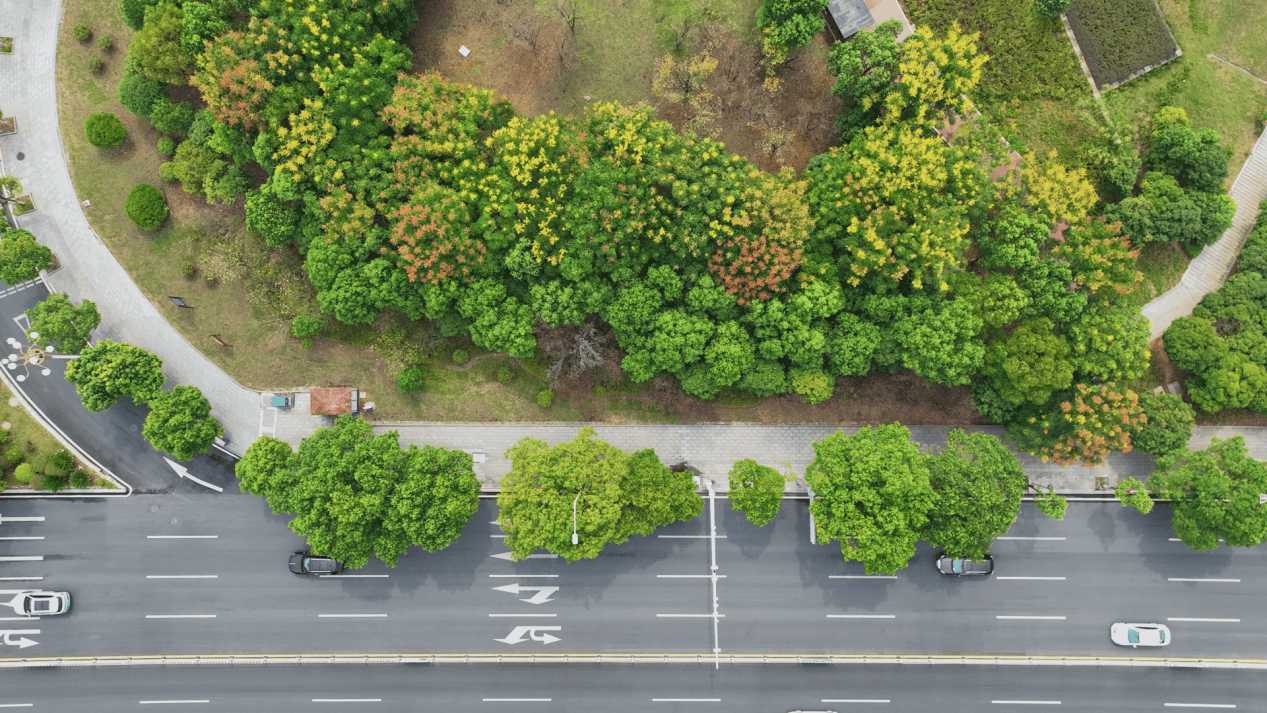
[
  {"x": 509, "y": 556},
  {"x": 183, "y": 472},
  {"x": 23, "y": 642},
  {"x": 542, "y": 595},
  {"x": 517, "y": 635}
]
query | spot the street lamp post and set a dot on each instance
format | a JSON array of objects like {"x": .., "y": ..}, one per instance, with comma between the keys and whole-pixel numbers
[
  {"x": 575, "y": 539},
  {"x": 28, "y": 356}
]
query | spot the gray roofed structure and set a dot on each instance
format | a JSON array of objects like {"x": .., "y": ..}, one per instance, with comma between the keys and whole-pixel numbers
[{"x": 850, "y": 16}]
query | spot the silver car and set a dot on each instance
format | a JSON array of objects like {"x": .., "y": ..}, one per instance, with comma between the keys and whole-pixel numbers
[{"x": 1140, "y": 634}]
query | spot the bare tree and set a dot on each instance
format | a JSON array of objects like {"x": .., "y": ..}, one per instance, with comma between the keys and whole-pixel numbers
[
  {"x": 569, "y": 11},
  {"x": 530, "y": 33},
  {"x": 685, "y": 18}
]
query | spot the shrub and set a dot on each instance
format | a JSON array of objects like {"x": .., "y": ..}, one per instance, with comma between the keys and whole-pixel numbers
[
  {"x": 459, "y": 356},
  {"x": 171, "y": 117},
  {"x": 1119, "y": 37},
  {"x": 4, "y": 437},
  {"x": 62, "y": 460},
  {"x": 81, "y": 31},
  {"x": 1052, "y": 8},
  {"x": 24, "y": 472},
  {"x": 409, "y": 379},
  {"x": 168, "y": 171},
  {"x": 504, "y": 375},
  {"x": 304, "y": 326},
  {"x": 306, "y": 344},
  {"x": 79, "y": 479},
  {"x": 13, "y": 456},
  {"x": 146, "y": 206},
  {"x": 54, "y": 483},
  {"x": 545, "y": 397},
  {"x": 137, "y": 93},
  {"x": 104, "y": 130},
  {"x": 271, "y": 219},
  {"x": 95, "y": 64},
  {"x": 3, "y": 485},
  {"x": 105, "y": 43},
  {"x": 166, "y": 147},
  {"x": 814, "y": 386},
  {"x": 133, "y": 11}
]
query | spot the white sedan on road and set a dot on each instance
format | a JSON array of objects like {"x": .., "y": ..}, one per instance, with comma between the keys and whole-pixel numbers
[
  {"x": 35, "y": 603},
  {"x": 1140, "y": 634}
]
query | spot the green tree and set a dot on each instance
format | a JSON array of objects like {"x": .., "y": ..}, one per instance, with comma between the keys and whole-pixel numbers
[
  {"x": 756, "y": 490},
  {"x": 1196, "y": 158},
  {"x": 157, "y": 47},
  {"x": 1133, "y": 493},
  {"x": 978, "y": 483},
  {"x": 180, "y": 423},
  {"x": 1051, "y": 504},
  {"x": 866, "y": 69},
  {"x": 942, "y": 345},
  {"x": 61, "y": 324},
  {"x": 1169, "y": 426},
  {"x": 134, "y": 11},
  {"x": 104, "y": 130},
  {"x": 615, "y": 496},
  {"x": 137, "y": 93},
  {"x": 21, "y": 258},
  {"x": 872, "y": 494},
  {"x": 1214, "y": 494},
  {"x": 1030, "y": 364},
  {"x": 199, "y": 24},
  {"x": 355, "y": 494},
  {"x": 791, "y": 23},
  {"x": 171, "y": 116},
  {"x": 108, "y": 371}
]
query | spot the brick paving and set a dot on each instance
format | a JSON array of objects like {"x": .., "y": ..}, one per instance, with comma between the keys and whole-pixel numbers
[{"x": 89, "y": 270}]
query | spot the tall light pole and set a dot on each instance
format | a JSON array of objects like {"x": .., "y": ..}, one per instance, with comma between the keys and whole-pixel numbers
[{"x": 575, "y": 539}]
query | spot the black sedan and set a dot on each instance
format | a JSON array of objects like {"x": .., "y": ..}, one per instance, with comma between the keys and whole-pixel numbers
[
  {"x": 308, "y": 563},
  {"x": 959, "y": 567}
]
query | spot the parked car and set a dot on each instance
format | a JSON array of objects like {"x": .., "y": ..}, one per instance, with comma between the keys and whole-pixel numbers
[
  {"x": 308, "y": 563},
  {"x": 36, "y": 603},
  {"x": 1140, "y": 634},
  {"x": 959, "y": 567}
]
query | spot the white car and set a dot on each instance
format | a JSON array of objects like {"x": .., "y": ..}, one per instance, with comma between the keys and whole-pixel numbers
[
  {"x": 1140, "y": 634},
  {"x": 35, "y": 603}
]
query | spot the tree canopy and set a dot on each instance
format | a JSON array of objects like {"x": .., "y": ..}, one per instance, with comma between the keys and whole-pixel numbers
[
  {"x": 756, "y": 490},
  {"x": 21, "y": 257},
  {"x": 978, "y": 483},
  {"x": 110, "y": 370},
  {"x": 62, "y": 325},
  {"x": 355, "y": 494},
  {"x": 1214, "y": 494},
  {"x": 180, "y": 423}
]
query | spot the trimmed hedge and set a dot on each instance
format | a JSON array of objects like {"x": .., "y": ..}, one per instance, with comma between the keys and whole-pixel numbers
[
  {"x": 1120, "y": 37},
  {"x": 104, "y": 130},
  {"x": 146, "y": 206}
]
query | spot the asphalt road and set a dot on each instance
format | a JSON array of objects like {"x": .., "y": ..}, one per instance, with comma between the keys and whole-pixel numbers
[
  {"x": 595, "y": 688},
  {"x": 196, "y": 574},
  {"x": 112, "y": 436}
]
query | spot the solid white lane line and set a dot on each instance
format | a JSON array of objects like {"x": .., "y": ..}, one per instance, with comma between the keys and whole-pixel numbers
[
  {"x": 14, "y": 539},
  {"x": 180, "y": 616},
  {"x": 22, "y": 558},
  {"x": 1201, "y": 579},
  {"x": 518, "y": 700},
  {"x": 862, "y": 616},
  {"x": 18, "y": 618},
  {"x": 181, "y": 537},
  {"x": 19, "y": 579},
  {"x": 351, "y": 616},
  {"x": 16, "y": 705},
  {"x": 1221, "y": 621},
  {"x": 689, "y": 537},
  {"x": 347, "y": 700},
  {"x": 1051, "y": 579},
  {"x": 504, "y": 615},
  {"x": 855, "y": 700},
  {"x": 1052, "y": 539},
  {"x": 1054, "y": 618},
  {"x": 21, "y": 519},
  {"x": 523, "y": 575},
  {"x": 356, "y": 576},
  {"x": 497, "y": 537},
  {"x": 687, "y": 576},
  {"x": 862, "y": 576},
  {"x": 686, "y": 700},
  {"x": 1200, "y": 705},
  {"x": 689, "y": 616},
  {"x": 1027, "y": 703},
  {"x": 1176, "y": 539},
  {"x": 182, "y": 576},
  {"x": 204, "y": 700}
]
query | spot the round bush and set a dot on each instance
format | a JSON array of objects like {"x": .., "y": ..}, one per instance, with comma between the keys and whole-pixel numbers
[
  {"x": 54, "y": 483},
  {"x": 105, "y": 43},
  {"x": 409, "y": 379},
  {"x": 303, "y": 326},
  {"x": 146, "y": 206},
  {"x": 104, "y": 130},
  {"x": 504, "y": 375},
  {"x": 167, "y": 146},
  {"x": 24, "y": 472},
  {"x": 545, "y": 397},
  {"x": 167, "y": 171},
  {"x": 79, "y": 479},
  {"x": 188, "y": 269},
  {"x": 306, "y": 344},
  {"x": 82, "y": 33},
  {"x": 137, "y": 93},
  {"x": 13, "y": 456},
  {"x": 459, "y": 356},
  {"x": 95, "y": 64}
]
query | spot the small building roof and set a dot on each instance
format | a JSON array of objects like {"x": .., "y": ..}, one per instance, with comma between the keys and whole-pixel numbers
[
  {"x": 851, "y": 16},
  {"x": 331, "y": 401}
]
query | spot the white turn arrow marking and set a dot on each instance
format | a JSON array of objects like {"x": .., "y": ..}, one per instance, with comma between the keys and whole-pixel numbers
[
  {"x": 24, "y": 642},
  {"x": 508, "y": 556},
  {"x": 183, "y": 472},
  {"x": 542, "y": 595},
  {"x": 517, "y": 635}
]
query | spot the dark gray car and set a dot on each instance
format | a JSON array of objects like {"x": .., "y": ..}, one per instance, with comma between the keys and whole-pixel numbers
[
  {"x": 958, "y": 567},
  {"x": 307, "y": 563}
]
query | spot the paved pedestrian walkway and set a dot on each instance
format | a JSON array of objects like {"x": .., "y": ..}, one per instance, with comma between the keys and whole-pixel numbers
[{"x": 1210, "y": 269}]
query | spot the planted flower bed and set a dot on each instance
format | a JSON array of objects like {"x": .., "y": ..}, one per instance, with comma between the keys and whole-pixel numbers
[{"x": 1121, "y": 39}]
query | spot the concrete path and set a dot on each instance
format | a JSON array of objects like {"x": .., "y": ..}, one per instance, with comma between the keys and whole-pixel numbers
[{"x": 1207, "y": 272}]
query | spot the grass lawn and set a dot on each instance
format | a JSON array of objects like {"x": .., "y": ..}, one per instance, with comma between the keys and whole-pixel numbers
[{"x": 35, "y": 443}]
